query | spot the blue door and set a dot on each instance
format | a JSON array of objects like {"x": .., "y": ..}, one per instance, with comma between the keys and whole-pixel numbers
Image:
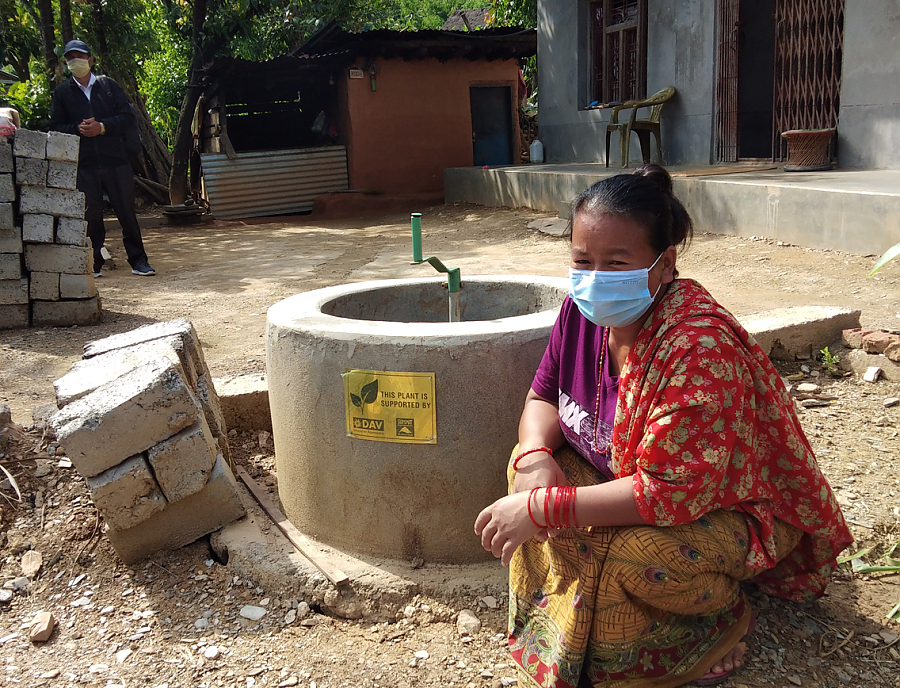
[{"x": 492, "y": 136}]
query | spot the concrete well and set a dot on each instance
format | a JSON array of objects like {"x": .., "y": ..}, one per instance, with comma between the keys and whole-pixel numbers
[{"x": 391, "y": 500}]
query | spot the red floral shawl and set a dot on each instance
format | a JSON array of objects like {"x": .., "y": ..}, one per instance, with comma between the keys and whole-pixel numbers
[{"x": 704, "y": 422}]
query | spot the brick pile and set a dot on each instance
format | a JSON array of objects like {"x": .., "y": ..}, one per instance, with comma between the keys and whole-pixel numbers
[
  {"x": 45, "y": 260},
  {"x": 875, "y": 353},
  {"x": 141, "y": 422}
]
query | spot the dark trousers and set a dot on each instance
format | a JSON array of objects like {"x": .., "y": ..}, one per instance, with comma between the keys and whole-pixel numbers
[{"x": 118, "y": 183}]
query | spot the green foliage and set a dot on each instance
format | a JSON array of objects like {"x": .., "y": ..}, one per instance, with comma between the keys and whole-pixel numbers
[
  {"x": 408, "y": 15},
  {"x": 163, "y": 74},
  {"x": 829, "y": 360},
  {"x": 162, "y": 82},
  {"x": 514, "y": 13},
  {"x": 19, "y": 37},
  {"x": 32, "y": 100}
]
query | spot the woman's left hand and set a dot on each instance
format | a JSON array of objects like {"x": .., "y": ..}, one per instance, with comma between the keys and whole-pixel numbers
[{"x": 505, "y": 525}]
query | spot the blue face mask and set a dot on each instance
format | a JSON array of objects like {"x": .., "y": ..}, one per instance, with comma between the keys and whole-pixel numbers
[{"x": 613, "y": 298}]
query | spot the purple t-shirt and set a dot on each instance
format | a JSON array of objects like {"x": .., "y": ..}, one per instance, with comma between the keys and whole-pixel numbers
[{"x": 569, "y": 373}]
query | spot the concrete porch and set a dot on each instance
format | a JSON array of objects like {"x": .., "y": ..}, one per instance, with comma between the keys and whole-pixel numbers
[{"x": 856, "y": 211}]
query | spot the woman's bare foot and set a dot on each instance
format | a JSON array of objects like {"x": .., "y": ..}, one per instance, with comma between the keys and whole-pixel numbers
[{"x": 731, "y": 661}]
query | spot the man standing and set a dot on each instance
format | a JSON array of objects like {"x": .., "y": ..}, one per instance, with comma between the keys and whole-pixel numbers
[{"x": 96, "y": 110}]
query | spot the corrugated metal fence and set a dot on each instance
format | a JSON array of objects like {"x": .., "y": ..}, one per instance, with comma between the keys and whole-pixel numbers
[{"x": 275, "y": 182}]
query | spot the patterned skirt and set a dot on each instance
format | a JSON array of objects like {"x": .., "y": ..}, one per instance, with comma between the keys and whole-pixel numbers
[{"x": 629, "y": 606}]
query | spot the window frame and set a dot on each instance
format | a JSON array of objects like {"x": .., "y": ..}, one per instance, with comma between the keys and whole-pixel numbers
[{"x": 608, "y": 41}]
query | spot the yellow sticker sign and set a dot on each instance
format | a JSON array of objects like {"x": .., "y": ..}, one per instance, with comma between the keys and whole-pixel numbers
[{"x": 390, "y": 407}]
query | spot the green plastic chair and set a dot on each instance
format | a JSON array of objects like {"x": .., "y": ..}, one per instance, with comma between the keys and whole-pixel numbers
[{"x": 642, "y": 127}]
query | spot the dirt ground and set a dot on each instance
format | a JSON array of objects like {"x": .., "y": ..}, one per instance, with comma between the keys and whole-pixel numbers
[{"x": 173, "y": 620}]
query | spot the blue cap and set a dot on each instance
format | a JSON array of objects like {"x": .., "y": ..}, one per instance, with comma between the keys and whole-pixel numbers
[{"x": 80, "y": 46}]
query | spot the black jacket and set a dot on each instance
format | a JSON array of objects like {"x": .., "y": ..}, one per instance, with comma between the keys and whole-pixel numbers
[{"x": 70, "y": 107}]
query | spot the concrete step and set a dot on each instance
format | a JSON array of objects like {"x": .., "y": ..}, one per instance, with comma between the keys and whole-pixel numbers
[{"x": 856, "y": 211}]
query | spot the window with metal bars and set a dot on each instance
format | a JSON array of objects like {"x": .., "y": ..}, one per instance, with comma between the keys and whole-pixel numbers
[{"x": 619, "y": 50}]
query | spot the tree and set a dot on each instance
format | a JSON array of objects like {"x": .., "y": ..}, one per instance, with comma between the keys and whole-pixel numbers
[
  {"x": 20, "y": 38},
  {"x": 65, "y": 21},
  {"x": 48, "y": 38},
  {"x": 514, "y": 13}
]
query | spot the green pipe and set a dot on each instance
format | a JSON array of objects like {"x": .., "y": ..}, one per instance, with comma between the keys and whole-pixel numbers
[{"x": 416, "y": 221}]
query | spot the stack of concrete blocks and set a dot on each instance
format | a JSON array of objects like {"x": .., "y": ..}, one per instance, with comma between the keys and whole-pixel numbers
[
  {"x": 46, "y": 276},
  {"x": 141, "y": 421}
]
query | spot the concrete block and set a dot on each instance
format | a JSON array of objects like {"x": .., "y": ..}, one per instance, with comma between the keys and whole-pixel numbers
[
  {"x": 72, "y": 260},
  {"x": 14, "y": 317},
  {"x": 71, "y": 231},
  {"x": 859, "y": 362},
  {"x": 245, "y": 402},
  {"x": 212, "y": 411},
  {"x": 44, "y": 286},
  {"x": 31, "y": 171},
  {"x": 10, "y": 241},
  {"x": 6, "y": 216},
  {"x": 7, "y": 189},
  {"x": 62, "y": 146},
  {"x": 59, "y": 202},
  {"x": 182, "y": 464},
  {"x": 66, "y": 313},
  {"x": 37, "y": 229},
  {"x": 787, "y": 334},
  {"x": 62, "y": 175},
  {"x": 127, "y": 494},
  {"x": 125, "y": 417},
  {"x": 14, "y": 292},
  {"x": 77, "y": 286},
  {"x": 178, "y": 328},
  {"x": 7, "y": 166},
  {"x": 29, "y": 144},
  {"x": 10, "y": 266},
  {"x": 182, "y": 522},
  {"x": 87, "y": 375}
]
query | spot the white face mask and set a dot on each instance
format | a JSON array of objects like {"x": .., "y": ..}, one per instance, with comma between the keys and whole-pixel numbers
[
  {"x": 79, "y": 66},
  {"x": 613, "y": 298}
]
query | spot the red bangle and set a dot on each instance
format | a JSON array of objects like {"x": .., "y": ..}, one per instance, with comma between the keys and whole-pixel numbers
[
  {"x": 553, "y": 520},
  {"x": 547, "y": 506},
  {"x": 574, "y": 520},
  {"x": 525, "y": 453},
  {"x": 530, "y": 515},
  {"x": 563, "y": 507}
]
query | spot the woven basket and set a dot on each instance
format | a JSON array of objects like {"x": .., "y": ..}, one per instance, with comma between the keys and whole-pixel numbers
[{"x": 808, "y": 150}]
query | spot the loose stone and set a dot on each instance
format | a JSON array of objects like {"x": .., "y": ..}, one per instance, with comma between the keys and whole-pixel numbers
[
  {"x": 42, "y": 628},
  {"x": 252, "y": 613},
  {"x": 467, "y": 624},
  {"x": 490, "y": 602}
]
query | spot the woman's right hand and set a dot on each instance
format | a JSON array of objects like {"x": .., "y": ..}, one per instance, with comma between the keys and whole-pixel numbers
[{"x": 538, "y": 470}]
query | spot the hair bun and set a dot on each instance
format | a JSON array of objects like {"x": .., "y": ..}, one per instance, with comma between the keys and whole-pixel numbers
[{"x": 656, "y": 174}]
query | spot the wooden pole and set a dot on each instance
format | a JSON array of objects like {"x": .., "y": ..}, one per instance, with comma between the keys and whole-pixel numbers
[{"x": 298, "y": 539}]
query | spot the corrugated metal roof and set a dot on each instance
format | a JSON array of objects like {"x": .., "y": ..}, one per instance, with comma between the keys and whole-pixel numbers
[{"x": 278, "y": 182}]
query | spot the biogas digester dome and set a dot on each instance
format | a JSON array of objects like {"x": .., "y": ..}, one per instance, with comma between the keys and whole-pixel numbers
[{"x": 393, "y": 427}]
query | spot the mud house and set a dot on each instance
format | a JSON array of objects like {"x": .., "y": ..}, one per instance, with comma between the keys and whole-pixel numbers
[
  {"x": 744, "y": 71},
  {"x": 379, "y": 111}
]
